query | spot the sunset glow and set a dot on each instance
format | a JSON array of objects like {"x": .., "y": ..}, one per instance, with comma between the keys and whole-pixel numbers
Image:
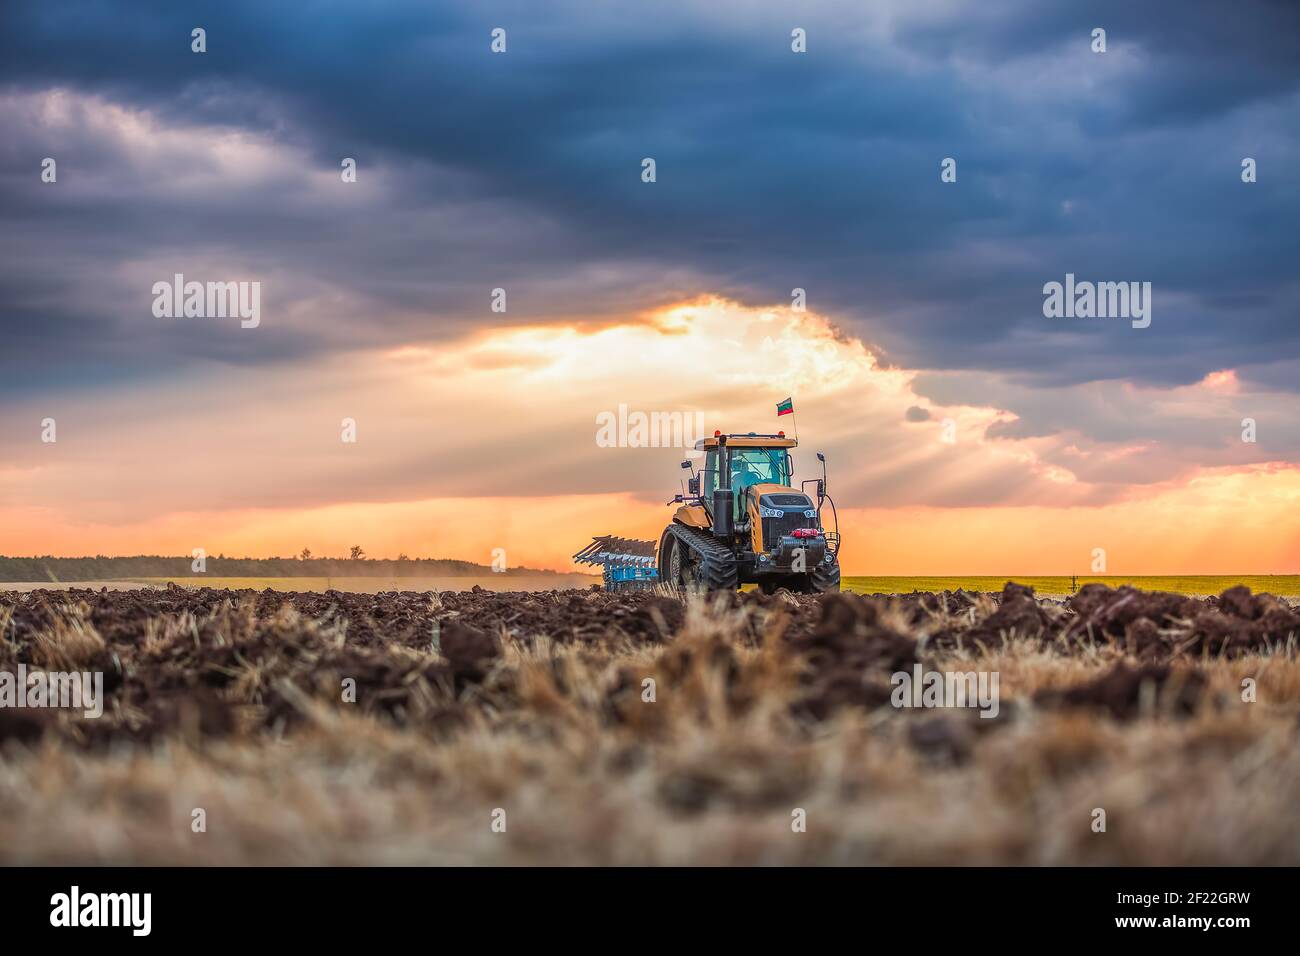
[{"x": 489, "y": 441}]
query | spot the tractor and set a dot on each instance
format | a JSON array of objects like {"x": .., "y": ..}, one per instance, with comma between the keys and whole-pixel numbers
[{"x": 741, "y": 521}]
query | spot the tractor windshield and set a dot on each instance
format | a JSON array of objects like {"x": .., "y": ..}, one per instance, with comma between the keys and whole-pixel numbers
[
  {"x": 750, "y": 466},
  {"x": 753, "y": 466}
]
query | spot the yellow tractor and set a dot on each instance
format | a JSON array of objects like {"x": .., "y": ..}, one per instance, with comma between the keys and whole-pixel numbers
[{"x": 741, "y": 521}]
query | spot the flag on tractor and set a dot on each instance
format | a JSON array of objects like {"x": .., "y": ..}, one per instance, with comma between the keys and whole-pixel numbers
[{"x": 785, "y": 408}]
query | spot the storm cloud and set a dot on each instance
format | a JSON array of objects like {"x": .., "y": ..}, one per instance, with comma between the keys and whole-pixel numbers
[{"x": 775, "y": 170}]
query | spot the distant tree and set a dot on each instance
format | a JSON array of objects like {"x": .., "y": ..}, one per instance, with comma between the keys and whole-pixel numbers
[
  {"x": 357, "y": 554},
  {"x": 306, "y": 555},
  {"x": 401, "y": 556}
]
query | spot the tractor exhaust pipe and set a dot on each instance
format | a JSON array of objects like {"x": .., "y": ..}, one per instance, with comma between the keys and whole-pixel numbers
[
  {"x": 722, "y": 512},
  {"x": 722, "y": 527}
]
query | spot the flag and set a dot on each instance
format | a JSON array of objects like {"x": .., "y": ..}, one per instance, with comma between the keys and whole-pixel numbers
[{"x": 785, "y": 408}]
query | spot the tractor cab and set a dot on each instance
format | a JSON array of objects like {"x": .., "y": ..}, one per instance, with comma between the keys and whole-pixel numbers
[{"x": 753, "y": 461}]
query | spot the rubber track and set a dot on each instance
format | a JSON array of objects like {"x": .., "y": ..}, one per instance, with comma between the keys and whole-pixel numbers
[
  {"x": 825, "y": 579},
  {"x": 719, "y": 564}
]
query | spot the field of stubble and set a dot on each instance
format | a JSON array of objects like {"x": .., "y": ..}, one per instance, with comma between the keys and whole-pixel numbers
[{"x": 511, "y": 728}]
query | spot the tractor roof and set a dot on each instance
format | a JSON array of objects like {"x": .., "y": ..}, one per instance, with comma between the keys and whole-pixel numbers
[{"x": 749, "y": 440}]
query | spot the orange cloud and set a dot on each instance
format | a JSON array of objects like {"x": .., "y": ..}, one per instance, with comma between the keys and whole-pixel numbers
[{"x": 490, "y": 441}]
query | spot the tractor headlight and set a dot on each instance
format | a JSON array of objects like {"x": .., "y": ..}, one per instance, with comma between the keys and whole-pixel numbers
[
  {"x": 810, "y": 513},
  {"x": 770, "y": 513}
]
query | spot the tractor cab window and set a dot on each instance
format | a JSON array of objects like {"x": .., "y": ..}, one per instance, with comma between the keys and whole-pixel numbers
[
  {"x": 710, "y": 473},
  {"x": 755, "y": 466},
  {"x": 749, "y": 466}
]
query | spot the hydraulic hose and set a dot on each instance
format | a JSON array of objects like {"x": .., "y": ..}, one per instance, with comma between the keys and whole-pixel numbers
[{"x": 836, "y": 515}]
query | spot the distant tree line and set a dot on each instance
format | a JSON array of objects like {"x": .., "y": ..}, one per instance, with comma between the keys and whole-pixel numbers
[{"x": 104, "y": 568}]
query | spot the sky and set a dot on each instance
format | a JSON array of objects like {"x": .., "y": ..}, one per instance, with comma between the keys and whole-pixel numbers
[{"x": 966, "y": 431}]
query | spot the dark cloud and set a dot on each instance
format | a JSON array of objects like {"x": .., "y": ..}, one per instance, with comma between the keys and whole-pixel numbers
[{"x": 774, "y": 171}]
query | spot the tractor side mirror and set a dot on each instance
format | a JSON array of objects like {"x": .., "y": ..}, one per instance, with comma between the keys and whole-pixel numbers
[{"x": 686, "y": 464}]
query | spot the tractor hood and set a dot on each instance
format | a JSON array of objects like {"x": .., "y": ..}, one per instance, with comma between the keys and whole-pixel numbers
[{"x": 764, "y": 488}]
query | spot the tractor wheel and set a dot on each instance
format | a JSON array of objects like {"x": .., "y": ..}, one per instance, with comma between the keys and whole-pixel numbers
[
  {"x": 820, "y": 580},
  {"x": 824, "y": 578},
  {"x": 679, "y": 565},
  {"x": 671, "y": 572}
]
